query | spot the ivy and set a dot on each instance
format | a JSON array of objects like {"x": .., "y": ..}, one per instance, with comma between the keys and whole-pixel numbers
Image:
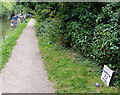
[{"x": 90, "y": 28}]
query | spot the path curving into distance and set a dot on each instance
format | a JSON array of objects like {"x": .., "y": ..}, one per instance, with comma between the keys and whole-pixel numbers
[{"x": 25, "y": 72}]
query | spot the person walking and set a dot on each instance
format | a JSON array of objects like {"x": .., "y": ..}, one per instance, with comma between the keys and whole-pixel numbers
[{"x": 15, "y": 19}]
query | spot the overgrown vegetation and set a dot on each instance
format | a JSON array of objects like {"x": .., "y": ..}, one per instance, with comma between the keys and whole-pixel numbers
[
  {"x": 7, "y": 44},
  {"x": 92, "y": 31},
  {"x": 68, "y": 74},
  {"x": 8, "y": 8}
]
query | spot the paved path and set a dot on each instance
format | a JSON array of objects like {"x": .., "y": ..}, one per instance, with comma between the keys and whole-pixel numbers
[{"x": 24, "y": 72}]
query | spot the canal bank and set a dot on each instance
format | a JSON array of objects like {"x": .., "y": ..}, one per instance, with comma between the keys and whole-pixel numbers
[
  {"x": 7, "y": 44},
  {"x": 4, "y": 28}
]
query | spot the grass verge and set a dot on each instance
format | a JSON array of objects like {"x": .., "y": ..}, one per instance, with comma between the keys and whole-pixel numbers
[
  {"x": 69, "y": 75},
  {"x": 7, "y": 44}
]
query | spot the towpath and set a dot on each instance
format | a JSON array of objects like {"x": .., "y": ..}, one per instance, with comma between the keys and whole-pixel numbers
[{"x": 25, "y": 72}]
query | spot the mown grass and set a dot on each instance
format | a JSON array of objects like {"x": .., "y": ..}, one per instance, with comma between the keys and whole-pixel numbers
[
  {"x": 7, "y": 44},
  {"x": 69, "y": 75}
]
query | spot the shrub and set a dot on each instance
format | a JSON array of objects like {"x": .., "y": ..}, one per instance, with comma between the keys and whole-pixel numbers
[
  {"x": 106, "y": 40},
  {"x": 93, "y": 31}
]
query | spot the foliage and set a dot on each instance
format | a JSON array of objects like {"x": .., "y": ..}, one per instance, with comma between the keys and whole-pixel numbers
[
  {"x": 49, "y": 27},
  {"x": 69, "y": 75},
  {"x": 106, "y": 40},
  {"x": 93, "y": 31},
  {"x": 6, "y": 9},
  {"x": 17, "y": 9}
]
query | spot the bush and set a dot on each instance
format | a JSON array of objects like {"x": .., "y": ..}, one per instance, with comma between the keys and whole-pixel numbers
[
  {"x": 87, "y": 28},
  {"x": 50, "y": 27},
  {"x": 106, "y": 40}
]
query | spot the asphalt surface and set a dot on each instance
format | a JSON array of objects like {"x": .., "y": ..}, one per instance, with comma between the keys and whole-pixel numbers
[{"x": 25, "y": 72}]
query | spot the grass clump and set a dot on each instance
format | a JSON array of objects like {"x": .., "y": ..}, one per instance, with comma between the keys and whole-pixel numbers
[
  {"x": 7, "y": 44},
  {"x": 69, "y": 75}
]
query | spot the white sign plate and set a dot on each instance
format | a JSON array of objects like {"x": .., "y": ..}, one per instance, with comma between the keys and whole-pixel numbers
[{"x": 106, "y": 75}]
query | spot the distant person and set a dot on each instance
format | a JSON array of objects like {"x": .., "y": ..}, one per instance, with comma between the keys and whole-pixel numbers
[
  {"x": 16, "y": 19},
  {"x": 21, "y": 17},
  {"x": 12, "y": 21},
  {"x": 25, "y": 17},
  {"x": 12, "y": 24},
  {"x": 28, "y": 15}
]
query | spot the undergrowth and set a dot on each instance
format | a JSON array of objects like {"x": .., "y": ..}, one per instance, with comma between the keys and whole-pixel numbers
[
  {"x": 92, "y": 29},
  {"x": 68, "y": 74}
]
